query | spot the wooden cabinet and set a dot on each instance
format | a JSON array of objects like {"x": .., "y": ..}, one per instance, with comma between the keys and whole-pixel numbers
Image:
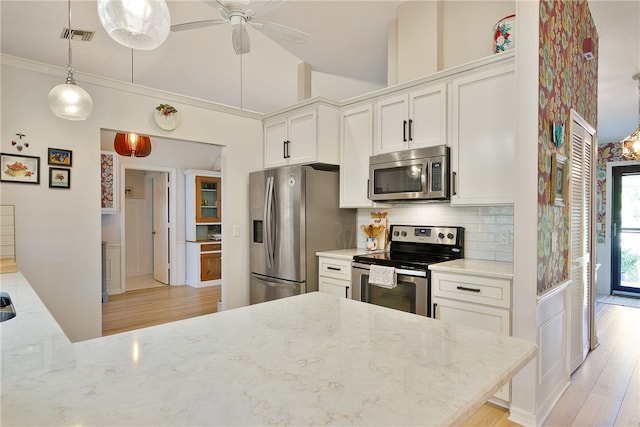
[
  {"x": 479, "y": 301},
  {"x": 203, "y": 211},
  {"x": 411, "y": 119},
  {"x": 483, "y": 126},
  {"x": 306, "y": 134},
  {"x": 334, "y": 276}
]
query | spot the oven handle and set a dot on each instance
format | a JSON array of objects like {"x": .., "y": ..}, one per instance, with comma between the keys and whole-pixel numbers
[{"x": 399, "y": 271}]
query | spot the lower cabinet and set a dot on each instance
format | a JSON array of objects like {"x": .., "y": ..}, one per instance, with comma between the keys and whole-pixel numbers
[
  {"x": 204, "y": 264},
  {"x": 477, "y": 301},
  {"x": 334, "y": 276}
]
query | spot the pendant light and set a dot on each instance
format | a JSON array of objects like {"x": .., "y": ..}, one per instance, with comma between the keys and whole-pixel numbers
[
  {"x": 137, "y": 24},
  {"x": 132, "y": 145},
  {"x": 68, "y": 100},
  {"x": 631, "y": 144}
]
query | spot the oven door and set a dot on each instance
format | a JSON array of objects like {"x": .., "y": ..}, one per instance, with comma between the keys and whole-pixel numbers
[{"x": 412, "y": 294}]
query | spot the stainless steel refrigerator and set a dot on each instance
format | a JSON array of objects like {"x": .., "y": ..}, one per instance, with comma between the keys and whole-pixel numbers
[{"x": 294, "y": 213}]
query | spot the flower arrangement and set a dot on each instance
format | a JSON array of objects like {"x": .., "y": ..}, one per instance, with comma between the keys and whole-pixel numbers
[{"x": 166, "y": 109}]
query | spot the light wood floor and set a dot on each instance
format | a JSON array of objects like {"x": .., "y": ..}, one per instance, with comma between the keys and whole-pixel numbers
[
  {"x": 604, "y": 391},
  {"x": 154, "y": 306}
]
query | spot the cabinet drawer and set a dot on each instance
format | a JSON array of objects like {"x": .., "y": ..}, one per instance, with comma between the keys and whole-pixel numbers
[
  {"x": 338, "y": 269},
  {"x": 340, "y": 288},
  {"x": 208, "y": 247},
  {"x": 476, "y": 289}
]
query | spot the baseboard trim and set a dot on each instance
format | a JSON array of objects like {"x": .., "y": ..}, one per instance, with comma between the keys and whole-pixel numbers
[{"x": 524, "y": 418}]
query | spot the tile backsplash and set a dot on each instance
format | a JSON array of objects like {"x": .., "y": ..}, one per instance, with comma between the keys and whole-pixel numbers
[{"x": 488, "y": 229}]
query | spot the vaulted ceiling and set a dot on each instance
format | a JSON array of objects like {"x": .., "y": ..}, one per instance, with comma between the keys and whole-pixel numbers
[{"x": 347, "y": 39}]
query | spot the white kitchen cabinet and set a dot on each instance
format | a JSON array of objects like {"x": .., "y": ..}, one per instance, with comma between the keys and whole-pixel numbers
[
  {"x": 334, "y": 276},
  {"x": 356, "y": 145},
  {"x": 302, "y": 135},
  {"x": 483, "y": 126},
  {"x": 475, "y": 300},
  {"x": 411, "y": 119}
]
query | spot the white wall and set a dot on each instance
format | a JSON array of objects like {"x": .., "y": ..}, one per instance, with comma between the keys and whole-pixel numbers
[{"x": 58, "y": 232}]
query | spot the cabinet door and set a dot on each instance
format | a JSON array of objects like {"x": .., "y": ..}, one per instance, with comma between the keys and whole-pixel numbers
[
  {"x": 302, "y": 138},
  {"x": 355, "y": 149},
  {"x": 483, "y": 137},
  {"x": 208, "y": 199},
  {"x": 392, "y": 115},
  {"x": 428, "y": 112},
  {"x": 210, "y": 266},
  {"x": 490, "y": 319},
  {"x": 339, "y": 288},
  {"x": 275, "y": 137}
]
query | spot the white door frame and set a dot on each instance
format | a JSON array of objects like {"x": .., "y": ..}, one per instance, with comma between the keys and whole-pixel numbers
[{"x": 172, "y": 217}]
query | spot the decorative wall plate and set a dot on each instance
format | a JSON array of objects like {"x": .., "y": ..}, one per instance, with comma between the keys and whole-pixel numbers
[{"x": 166, "y": 122}]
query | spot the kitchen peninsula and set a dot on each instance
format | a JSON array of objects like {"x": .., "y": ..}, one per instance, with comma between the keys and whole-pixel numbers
[{"x": 308, "y": 359}]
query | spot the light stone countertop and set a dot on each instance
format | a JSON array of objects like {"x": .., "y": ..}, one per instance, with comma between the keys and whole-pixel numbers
[
  {"x": 477, "y": 267},
  {"x": 308, "y": 359}
]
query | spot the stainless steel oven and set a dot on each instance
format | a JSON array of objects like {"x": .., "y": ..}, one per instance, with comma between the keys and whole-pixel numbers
[
  {"x": 411, "y": 294},
  {"x": 412, "y": 249}
]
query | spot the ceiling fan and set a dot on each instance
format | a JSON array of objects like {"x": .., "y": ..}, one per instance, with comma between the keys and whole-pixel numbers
[{"x": 240, "y": 12}]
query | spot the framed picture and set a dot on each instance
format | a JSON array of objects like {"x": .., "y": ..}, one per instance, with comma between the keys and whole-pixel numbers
[
  {"x": 128, "y": 192},
  {"x": 59, "y": 178},
  {"x": 22, "y": 169},
  {"x": 558, "y": 178},
  {"x": 59, "y": 157}
]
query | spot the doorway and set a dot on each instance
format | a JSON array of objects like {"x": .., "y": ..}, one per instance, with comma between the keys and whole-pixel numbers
[
  {"x": 625, "y": 231},
  {"x": 147, "y": 227}
]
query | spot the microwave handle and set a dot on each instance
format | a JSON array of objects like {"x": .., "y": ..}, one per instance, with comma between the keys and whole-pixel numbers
[{"x": 453, "y": 183}]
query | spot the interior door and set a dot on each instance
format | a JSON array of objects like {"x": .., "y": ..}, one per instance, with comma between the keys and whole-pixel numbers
[
  {"x": 582, "y": 268},
  {"x": 161, "y": 227}
]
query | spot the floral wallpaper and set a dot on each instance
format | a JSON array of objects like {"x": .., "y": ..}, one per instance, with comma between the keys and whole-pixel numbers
[
  {"x": 567, "y": 80},
  {"x": 107, "y": 174},
  {"x": 607, "y": 152}
]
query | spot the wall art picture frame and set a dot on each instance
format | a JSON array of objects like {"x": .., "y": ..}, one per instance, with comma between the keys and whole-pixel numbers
[
  {"x": 59, "y": 157},
  {"x": 558, "y": 179},
  {"x": 59, "y": 178},
  {"x": 19, "y": 168}
]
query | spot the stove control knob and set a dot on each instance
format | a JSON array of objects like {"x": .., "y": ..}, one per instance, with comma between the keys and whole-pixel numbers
[
  {"x": 404, "y": 234},
  {"x": 450, "y": 236},
  {"x": 440, "y": 235},
  {"x": 396, "y": 233}
]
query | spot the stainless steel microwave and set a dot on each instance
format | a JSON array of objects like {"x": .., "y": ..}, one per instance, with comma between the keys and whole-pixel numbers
[{"x": 421, "y": 174}]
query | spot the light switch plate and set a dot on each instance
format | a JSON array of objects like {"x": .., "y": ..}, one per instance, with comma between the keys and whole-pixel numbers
[{"x": 236, "y": 231}]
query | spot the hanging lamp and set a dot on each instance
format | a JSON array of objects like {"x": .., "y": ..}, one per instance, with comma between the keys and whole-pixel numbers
[
  {"x": 68, "y": 100},
  {"x": 137, "y": 24},
  {"x": 132, "y": 145},
  {"x": 631, "y": 144}
]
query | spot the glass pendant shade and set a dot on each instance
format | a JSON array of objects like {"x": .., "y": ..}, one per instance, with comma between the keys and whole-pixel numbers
[
  {"x": 132, "y": 145},
  {"x": 136, "y": 24},
  {"x": 69, "y": 101}
]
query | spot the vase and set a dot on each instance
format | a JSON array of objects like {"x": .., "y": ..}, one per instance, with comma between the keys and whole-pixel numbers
[{"x": 372, "y": 243}]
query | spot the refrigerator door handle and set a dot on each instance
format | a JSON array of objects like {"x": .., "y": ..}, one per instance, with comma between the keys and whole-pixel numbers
[{"x": 268, "y": 219}]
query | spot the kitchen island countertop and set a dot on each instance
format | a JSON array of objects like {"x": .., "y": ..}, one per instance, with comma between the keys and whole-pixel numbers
[{"x": 308, "y": 359}]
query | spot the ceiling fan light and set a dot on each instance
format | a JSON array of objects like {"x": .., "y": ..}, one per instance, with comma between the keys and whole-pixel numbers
[
  {"x": 136, "y": 24},
  {"x": 69, "y": 101}
]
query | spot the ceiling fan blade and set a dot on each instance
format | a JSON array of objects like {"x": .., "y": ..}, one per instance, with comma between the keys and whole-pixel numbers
[
  {"x": 240, "y": 38},
  {"x": 280, "y": 31},
  {"x": 260, "y": 7},
  {"x": 197, "y": 24}
]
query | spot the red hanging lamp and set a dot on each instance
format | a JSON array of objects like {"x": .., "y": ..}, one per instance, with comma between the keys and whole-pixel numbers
[{"x": 132, "y": 145}]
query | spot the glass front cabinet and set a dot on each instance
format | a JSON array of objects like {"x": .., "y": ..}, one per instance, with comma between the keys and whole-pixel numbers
[{"x": 203, "y": 227}]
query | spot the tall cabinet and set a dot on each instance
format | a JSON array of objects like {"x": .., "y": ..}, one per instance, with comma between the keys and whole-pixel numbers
[{"x": 203, "y": 227}]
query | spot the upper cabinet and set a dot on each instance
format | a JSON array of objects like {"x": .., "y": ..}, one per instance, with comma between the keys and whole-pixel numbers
[
  {"x": 356, "y": 143},
  {"x": 412, "y": 119},
  {"x": 203, "y": 209},
  {"x": 305, "y": 134},
  {"x": 208, "y": 199},
  {"x": 483, "y": 127}
]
